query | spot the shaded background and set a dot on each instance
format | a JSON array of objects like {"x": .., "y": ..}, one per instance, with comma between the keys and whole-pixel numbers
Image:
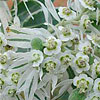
[{"x": 56, "y": 3}]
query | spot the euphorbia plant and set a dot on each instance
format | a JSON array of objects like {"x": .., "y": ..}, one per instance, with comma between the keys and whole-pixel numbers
[{"x": 49, "y": 53}]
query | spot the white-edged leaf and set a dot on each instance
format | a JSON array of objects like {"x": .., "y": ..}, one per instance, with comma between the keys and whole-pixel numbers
[
  {"x": 44, "y": 81},
  {"x": 39, "y": 93},
  {"x": 20, "y": 86},
  {"x": 45, "y": 11},
  {"x": 3, "y": 16},
  {"x": 17, "y": 21},
  {"x": 97, "y": 16},
  {"x": 41, "y": 74},
  {"x": 63, "y": 89},
  {"x": 54, "y": 82},
  {"x": 34, "y": 86},
  {"x": 20, "y": 44},
  {"x": 65, "y": 83},
  {"x": 57, "y": 32},
  {"x": 28, "y": 86},
  {"x": 52, "y": 9}
]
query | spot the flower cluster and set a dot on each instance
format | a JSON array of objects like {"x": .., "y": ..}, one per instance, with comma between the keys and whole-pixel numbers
[{"x": 34, "y": 62}]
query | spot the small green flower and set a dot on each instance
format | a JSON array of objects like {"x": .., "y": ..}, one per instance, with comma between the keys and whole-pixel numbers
[
  {"x": 15, "y": 77},
  {"x": 96, "y": 87},
  {"x": 1, "y": 83},
  {"x": 84, "y": 22},
  {"x": 83, "y": 82},
  {"x": 83, "y": 85},
  {"x": 50, "y": 65},
  {"x": 67, "y": 11},
  {"x": 75, "y": 40},
  {"x": 53, "y": 46},
  {"x": 66, "y": 33},
  {"x": 36, "y": 57},
  {"x": 3, "y": 41},
  {"x": 66, "y": 58},
  {"x": 88, "y": 4},
  {"x": 95, "y": 68},
  {"x": 12, "y": 92},
  {"x": 81, "y": 63},
  {"x": 3, "y": 59}
]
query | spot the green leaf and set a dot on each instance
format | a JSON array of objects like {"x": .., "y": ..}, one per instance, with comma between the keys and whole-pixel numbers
[
  {"x": 92, "y": 15},
  {"x": 64, "y": 96},
  {"x": 35, "y": 9},
  {"x": 37, "y": 44},
  {"x": 91, "y": 59},
  {"x": 43, "y": 1},
  {"x": 97, "y": 51},
  {"x": 70, "y": 72},
  {"x": 75, "y": 95},
  {"x": 24, "y": 17},
  {"x": 96, "y": 26},
  {"x": 98, "y": 5}
]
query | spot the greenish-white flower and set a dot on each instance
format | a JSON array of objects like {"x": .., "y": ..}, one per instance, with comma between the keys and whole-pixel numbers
[
  {"x": 95, "y": 38},
  {"x": 83, "y": 82},
  {"x": 66, "y": 13},
  {"x": 81, "y": 63},
  {"x": 96, "y": 68},
  {"x": 96, "y": 87},
  {"x": 10, "y": 92},
  {"x": 84, "y": 22},
  {"x": 51, "y": 64},
  {"x": 36, "y": 57},
  {"x": 87, "y": 4},
  {"x": 2, "y": 81},
  {"x": 15, "y": 77},
  {"x": 66, "y": 58},
  {"x": 66, "y": 33},
  {"x": 3, "y": 41},
  {"x": 53, "y": 46},
  {"x": 85, "y": 47},
  {"x": 4, "y": 60},
  {"x": 74, "y": 41},
  {"x": 93, "y": 96}
]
